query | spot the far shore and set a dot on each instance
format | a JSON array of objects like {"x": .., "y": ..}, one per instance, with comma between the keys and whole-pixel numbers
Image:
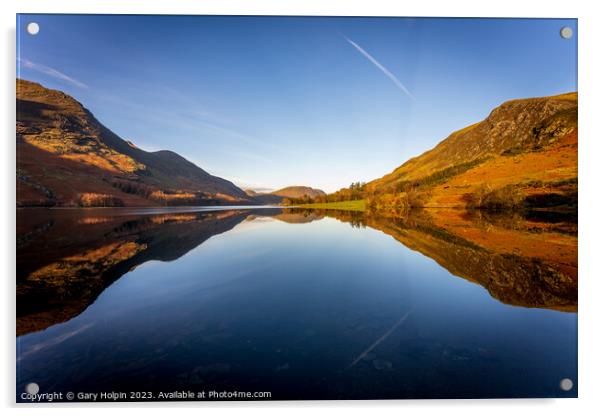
[{"x": 355, "y": 205}]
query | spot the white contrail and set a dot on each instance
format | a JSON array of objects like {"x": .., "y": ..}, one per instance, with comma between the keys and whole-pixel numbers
[
  {"x": 51, "y": 72},
  {"x": 380, "y": 66}
]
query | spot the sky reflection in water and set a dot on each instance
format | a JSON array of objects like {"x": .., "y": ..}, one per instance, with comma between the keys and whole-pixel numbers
[{"x": 299, "y": 304}]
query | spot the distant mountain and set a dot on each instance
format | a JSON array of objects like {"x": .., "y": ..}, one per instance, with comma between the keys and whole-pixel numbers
[
  {"x": 66, "y": 157},
  {"x": 251, "y": 192},
  {"x": 276, "y": 197},
  {"x": 298, "y": 192},
  {"x": 263, "y": 198},
  {"x": 524, "y": 152}
]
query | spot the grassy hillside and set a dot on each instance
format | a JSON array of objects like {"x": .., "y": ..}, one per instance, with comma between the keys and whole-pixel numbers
[
  {"x": 356, "y": 205},
  {"x": 523, "y": 155},
  {"x": 67, "y": 157},
  {"x": 518, "y": 125}
]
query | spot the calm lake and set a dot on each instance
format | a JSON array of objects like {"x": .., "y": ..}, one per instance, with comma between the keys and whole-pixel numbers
[{"x": 304, "y": 304}]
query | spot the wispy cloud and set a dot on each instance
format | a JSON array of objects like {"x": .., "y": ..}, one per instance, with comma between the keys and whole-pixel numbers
[
  {"x": 55, "y": 73},
  {"x": 184, "y": 114},
  {"x": 380, "y": 66}
]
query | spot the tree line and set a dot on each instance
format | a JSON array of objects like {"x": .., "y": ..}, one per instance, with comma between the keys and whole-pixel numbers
[{"x": 356, "y": 191}]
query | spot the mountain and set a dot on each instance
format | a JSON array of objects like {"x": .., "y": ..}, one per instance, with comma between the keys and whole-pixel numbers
[
  {"x": 264, "y": 199},
  {"x": 66, "y": 157},
  {"x": 276, "y": 197},
  {"x": 523, "y": 153},
  {"x": 298, "y": 192}
]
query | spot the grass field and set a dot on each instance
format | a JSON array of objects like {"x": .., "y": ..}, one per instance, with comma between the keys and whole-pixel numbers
[{"x": 357, "y": 205}]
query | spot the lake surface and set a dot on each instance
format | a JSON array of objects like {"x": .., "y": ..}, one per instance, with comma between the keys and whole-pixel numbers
[{"x": 304, "y": 304}]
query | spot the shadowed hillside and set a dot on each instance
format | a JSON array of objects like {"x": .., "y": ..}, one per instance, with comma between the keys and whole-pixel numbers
[{"x": 67, "y": 157}]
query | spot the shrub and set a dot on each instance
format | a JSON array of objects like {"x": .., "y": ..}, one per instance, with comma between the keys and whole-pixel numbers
[
  {"x": 507, "y": 197},
  {"x": 91, "y": 199},
  {"x": 176, "y": 198},
  {"x": 397, "y": 203},
  {"x": 132, "y": 187},
  {"x": 415, "y": 198},
  {"x": 437, "y": 177}
]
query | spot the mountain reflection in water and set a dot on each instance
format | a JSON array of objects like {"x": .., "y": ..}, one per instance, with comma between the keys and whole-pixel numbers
[
  {"x": 306, "y": 304},
  {"x": 66, "y": 258}
]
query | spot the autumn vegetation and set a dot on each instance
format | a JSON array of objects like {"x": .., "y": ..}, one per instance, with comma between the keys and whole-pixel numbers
[
  {"x": 66, "y": 157},
  {"x": 90, "y": 199},
  {"x": 523, "y": 156}
]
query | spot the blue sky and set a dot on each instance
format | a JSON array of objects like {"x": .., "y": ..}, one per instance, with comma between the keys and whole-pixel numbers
[{"x": 269, "y": 102}]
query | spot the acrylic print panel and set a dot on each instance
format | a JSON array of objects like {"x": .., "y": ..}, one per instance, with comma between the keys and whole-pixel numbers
[{"x": 275, "y": 208}]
